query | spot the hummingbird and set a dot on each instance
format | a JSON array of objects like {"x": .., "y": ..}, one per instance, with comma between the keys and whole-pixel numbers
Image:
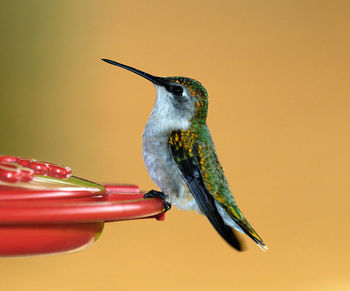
[{"x": 181, "y": 159}]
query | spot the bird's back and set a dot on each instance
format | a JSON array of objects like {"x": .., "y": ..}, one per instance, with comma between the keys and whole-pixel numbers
[{"x": 212, "y": 171}]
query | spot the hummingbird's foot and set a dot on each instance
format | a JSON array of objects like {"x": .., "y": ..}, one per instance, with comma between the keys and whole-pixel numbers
[{"x": 157, "y": 194}]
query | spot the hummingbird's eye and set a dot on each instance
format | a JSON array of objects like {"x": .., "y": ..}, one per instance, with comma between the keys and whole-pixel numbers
[{"x": 176, "y": 90}]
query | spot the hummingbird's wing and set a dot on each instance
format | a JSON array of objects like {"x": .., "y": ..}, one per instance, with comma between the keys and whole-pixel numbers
[
  {"x": 194, "y": 153},
  {"x": 185, "y": 154}
]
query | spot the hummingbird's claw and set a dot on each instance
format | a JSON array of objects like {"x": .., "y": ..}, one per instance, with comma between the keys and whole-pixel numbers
[{"x": 157, "y": 194}]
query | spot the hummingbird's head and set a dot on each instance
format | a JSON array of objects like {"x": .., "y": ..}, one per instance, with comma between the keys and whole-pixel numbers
[{"x": 181, "y": 102}]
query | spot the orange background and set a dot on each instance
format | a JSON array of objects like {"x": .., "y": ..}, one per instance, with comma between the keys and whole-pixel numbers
[{"x": 277, "y": 73}]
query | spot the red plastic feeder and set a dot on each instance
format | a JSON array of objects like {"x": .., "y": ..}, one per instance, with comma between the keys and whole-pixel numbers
[{"x": 44, "y": 209}]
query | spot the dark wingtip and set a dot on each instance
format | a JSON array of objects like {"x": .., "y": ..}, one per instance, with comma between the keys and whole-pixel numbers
[
  {"x": 237, "y": 246},
  {"x": 228, "y": 234}
]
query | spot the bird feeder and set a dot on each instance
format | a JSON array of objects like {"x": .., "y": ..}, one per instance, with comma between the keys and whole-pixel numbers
[{"x": 44, "y": 209}]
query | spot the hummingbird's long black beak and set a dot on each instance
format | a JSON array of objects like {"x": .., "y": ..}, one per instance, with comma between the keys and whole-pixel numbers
[{"x": 155, "y": 80}]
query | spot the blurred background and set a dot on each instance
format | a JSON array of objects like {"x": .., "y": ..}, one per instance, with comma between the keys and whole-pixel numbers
[{"x": 277, "y": 73}]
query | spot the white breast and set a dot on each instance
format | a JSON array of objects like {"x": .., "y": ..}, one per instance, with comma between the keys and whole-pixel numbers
[{"x": 157, "y": 157}]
